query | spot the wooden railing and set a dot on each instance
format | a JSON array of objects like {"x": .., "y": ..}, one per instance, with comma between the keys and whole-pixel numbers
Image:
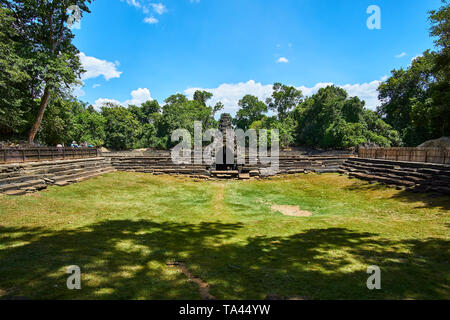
[
  {"x": 430, "y": 155},
  {"x": 13, "y": 155}
]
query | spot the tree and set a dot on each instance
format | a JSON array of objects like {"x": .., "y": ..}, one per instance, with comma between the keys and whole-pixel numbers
[
  {"x": 202, "y": 96},
  {"x": 251, "y": 110},
  {"x": 284, "y": 99},
  {"x": 218, "y": 107},
  {"x": 42, "y": 24},
  {"x": 332, "y": 119},
  {"x": 415, "y": 101},
  {"x": 15, "y": 97},
  {"x": 405, "y": 91},
  {"x": 180, "y": 113},
  {"x": 59, "y": 123},
  {"x": 440, "y": 90},
  {"x": 121, "y": 127},
  {"x": 89, "y": 126}
]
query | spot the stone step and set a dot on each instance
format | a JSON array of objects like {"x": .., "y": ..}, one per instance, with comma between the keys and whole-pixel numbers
[
  {"x": 18, "y": 186},
  {"x": 402, "y": 172},
  {"x": 385, "y": 180},
  {"x": 15, "y": 193},
  {"x": 82, "y": 177},
  {"x": 18, "y": 179},
  {"x": 327, "y": 170},
  {"x": 72, "y": 177},
  {"x": 406, "y": 164},
  {"x": 63, "y": 168},
  {"x": 12, "y": 174},
  {"x": 38, "y": 187},
  {"x": 229, "y": 172}
]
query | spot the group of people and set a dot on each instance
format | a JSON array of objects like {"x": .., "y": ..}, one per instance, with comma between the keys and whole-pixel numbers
[{"x": 74, "y": 144}]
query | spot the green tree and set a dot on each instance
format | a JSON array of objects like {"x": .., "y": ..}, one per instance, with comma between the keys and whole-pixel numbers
[
  {"x": 284, "y": 99},
  {"x": 180, "y": 113},
  {"x": 405, "y": 91},
  {"x": 415, "y": 101},
  {"x": 89, "y": 126},
  {"x": 15, "y": 97},
  {"x": 332, "y": 119},
  {"x": 251, "y": 110},
  {"x": 202, "y": 97},
  {"x": 218, "y": 107},
  {"x": 438, "y": 106},
  {"x": 42, "y": 25},
  {"x": 59, "y": 123},
  {"x": 121, "y": 127}
]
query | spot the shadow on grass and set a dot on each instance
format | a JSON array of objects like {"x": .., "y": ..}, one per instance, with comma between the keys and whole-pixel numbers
[
  {"x": 430, "y": 200},
  {"x": 127, "y": 260}
]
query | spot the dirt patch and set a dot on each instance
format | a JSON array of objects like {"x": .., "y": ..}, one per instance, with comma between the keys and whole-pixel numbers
[
  {"x": 292, "y": 211},
  {"x": 272, "y": 296},
  {"x": 202, "y": 285}
]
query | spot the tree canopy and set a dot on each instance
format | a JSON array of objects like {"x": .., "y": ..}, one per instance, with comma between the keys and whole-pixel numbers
[{"x": 415, "y": 100}]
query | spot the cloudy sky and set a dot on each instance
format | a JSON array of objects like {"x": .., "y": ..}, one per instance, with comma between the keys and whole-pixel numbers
[{"x": 136, "y": 50}]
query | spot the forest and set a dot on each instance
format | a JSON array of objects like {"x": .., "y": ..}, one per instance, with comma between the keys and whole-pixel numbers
[{"x": 40, "y": 65}]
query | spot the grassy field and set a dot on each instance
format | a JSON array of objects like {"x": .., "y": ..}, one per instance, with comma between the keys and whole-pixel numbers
[{"x": 138, "y": 236}]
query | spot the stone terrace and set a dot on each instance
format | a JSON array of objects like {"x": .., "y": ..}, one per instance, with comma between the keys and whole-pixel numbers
[
  {"x": 414, "y": 176},
  {"x": 20, "y": 178}
]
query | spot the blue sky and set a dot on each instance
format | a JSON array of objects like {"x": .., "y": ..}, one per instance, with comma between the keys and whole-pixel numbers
[{"x": 140, "y": 49}]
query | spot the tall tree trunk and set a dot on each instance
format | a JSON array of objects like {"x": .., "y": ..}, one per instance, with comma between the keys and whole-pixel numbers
[{"x": 40, "y": 115}]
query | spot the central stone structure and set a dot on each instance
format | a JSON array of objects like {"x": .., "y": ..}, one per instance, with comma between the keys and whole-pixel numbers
[{"x": 221, "y": 159}]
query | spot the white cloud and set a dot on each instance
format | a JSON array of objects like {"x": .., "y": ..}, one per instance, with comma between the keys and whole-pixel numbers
[
  {"x": 159, "y": 8},
  {"x": 146, "y": 6},
  {"x": 99, "y": 103},
  {"x": 151, "y": 20},
  {"x": 78, "y": 91},
  {"x": 401, "y": 55},
  {"x": 282, "y": 60},
  {"x": 230, "y": 94},
  {"x": 95, "y": 86},
  {"x": 138, "y": 97},
  {"x": 365, "y": 91},
  {"x": 96, "y": 67},
  {"x": 134, "y": 3}
]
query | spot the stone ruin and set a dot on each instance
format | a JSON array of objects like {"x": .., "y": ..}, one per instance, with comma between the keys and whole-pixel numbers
[{"x": 221, "y": 158}]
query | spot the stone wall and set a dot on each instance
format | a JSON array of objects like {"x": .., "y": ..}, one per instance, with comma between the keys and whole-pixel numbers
[
  {"x": 20, "y": 178},
  {"x": 288, "y": 164},
  {"x": 414, "y": 176}
]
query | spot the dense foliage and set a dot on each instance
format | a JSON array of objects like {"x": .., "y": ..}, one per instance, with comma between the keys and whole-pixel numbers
[
  {"x": 416, "y": 101},
  {"x": 39, "y": 64}
]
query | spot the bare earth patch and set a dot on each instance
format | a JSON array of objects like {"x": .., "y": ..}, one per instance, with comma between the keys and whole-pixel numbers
[
  {"x": 202, "y": 285},
  {"x": 292, "y": 211}
]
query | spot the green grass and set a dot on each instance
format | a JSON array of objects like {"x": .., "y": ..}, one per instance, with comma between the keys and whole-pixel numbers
[{"x": 123, "y": 228}]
